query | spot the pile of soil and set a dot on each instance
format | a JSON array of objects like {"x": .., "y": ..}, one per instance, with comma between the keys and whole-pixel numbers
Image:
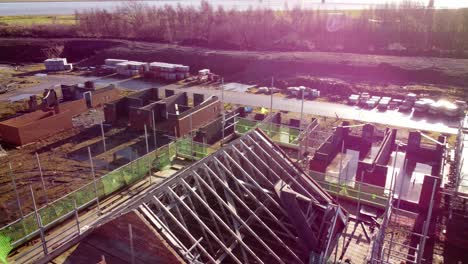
[{"x": 332, "y": 72}]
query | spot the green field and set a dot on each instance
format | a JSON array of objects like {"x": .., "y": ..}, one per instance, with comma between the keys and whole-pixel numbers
[{"x": 36, "y": 20}]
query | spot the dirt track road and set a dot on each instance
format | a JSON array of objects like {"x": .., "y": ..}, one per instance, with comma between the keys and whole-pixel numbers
[{"x": 332, "y": 110}]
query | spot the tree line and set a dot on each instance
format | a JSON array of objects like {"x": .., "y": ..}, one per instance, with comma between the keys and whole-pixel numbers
[{"x": 405, "y": 28}]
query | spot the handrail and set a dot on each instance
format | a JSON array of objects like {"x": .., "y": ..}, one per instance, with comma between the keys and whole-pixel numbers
[{"x": 35, "y": 231}]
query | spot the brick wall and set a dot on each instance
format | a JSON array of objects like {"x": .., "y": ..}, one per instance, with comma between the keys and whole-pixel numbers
[
  {"x": 33, "y": 126},
  {"x": 99, "y": 98},
  {"x": 139, "y": 117},
  {"x": 200, "y": 117}
]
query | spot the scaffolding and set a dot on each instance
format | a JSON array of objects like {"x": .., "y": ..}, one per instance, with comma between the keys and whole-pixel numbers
[{"x": 237, "y": 206}]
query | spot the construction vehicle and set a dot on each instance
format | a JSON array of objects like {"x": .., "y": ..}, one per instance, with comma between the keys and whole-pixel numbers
[
  {"x": 49, "y": 101},
  {"x": 203, "y": 75}
]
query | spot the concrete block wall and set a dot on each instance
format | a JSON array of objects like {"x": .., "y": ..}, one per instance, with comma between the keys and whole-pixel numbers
[
  {"x": 103, "y": 96},
  {"x": 139, "y": 117},
  {"x": 171, "y": 101},
  {"x": 198, "y": 99},
  {"x": 120, "y": 109},
  {"x": 374, "y": 174},
  {"x": 146, "y": 96},
  {"x": 211, "y": 132},
  {"x": 426, "y": 192},
  {"x": 386, "y": 148},
  {"x": 329, "y": 149},
  {"x": 199, "y": 116}
]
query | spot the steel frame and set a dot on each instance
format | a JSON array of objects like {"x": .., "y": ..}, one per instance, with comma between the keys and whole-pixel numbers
[{"x": 224, "y": 208}]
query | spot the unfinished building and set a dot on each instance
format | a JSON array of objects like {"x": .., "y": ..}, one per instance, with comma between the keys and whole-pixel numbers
[
  {"x": 247, "y": 202},
  {"x": 171, "y": 114},
  {"x": 54, "y": 115}
]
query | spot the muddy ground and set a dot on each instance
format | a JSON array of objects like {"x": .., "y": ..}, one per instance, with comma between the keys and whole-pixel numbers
[
  {"x": 64, "y": 162},
  {"x": 334, "y": 73}
]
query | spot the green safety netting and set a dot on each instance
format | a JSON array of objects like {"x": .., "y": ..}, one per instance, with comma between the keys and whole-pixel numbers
[
  {"x": 5, "y": 248},
  {"x": 105, "y": 185},
  {"x": 281, "y": 133},
  {"x": 191, "y": 149},
  {"x": 164, "y": 156},
  {"x": 354, "y": 193},
  {"x": 278, "y": 133},
  {"x": 243, "y": 126}
]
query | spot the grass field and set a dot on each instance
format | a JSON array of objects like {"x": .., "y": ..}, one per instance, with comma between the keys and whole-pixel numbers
[{"x": 35, "y": 20}]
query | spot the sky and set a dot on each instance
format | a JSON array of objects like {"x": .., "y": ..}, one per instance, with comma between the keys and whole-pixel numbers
[{"x": 438, "y": 3}]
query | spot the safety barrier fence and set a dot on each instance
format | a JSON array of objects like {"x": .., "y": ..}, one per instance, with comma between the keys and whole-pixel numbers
[
  {"x": 22, "y": 230},
  {"x": 281, "y": 134},
  {"x": 187, "y": 148},
  {"x": 353, "y": 190}
]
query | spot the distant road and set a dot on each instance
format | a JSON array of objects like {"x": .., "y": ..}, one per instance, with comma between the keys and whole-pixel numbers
[{"x": 391, "y": 118}]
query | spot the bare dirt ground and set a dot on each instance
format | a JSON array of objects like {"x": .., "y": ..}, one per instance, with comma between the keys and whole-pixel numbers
[
  {"x": 64, "y": 161},
  {"x": 333, "y": 72}
]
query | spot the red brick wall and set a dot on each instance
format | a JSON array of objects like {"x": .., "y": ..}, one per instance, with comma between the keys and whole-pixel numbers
[
  {"x": 110, "y": 113},
  {"x": 9, "y": 134},
  {"x": 199, "y": 118},
  {"x": 75, "y": 107},
  {"x": 100, "y": 98},
  {"x": 33, "y": 126},
  {"x": 139, "y": 117},
  {"x": 45, "y": 127},
  {"x": 24, "y": 129}
]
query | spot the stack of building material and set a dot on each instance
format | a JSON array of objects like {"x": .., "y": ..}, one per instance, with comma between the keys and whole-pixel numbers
[
  {"x": 182, "y": 71},
  {"x": 168, "y": 71},
  {"x": 57, "y": 64},
  {"x": 131, "y": 68},
  {"x": 113, "y": 62}
]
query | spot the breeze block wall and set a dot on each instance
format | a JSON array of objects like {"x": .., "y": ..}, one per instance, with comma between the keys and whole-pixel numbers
[{"x": 199, "y": 115}]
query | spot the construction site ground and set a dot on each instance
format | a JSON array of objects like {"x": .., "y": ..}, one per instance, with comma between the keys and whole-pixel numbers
[
  {"x": 64, "y": 160},
  {"x": 59, "y": 238}
]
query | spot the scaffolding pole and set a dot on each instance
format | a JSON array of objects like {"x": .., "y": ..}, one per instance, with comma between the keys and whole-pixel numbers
[
  {"x": 103, "y": 137},
  {"x": 18, "y": 201},
  {"x": 42, "y": 179},
  {"x": 94, "y": 180},
  {"x": 428, "y": 222},
  {"x": 39, "y": 222}
]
